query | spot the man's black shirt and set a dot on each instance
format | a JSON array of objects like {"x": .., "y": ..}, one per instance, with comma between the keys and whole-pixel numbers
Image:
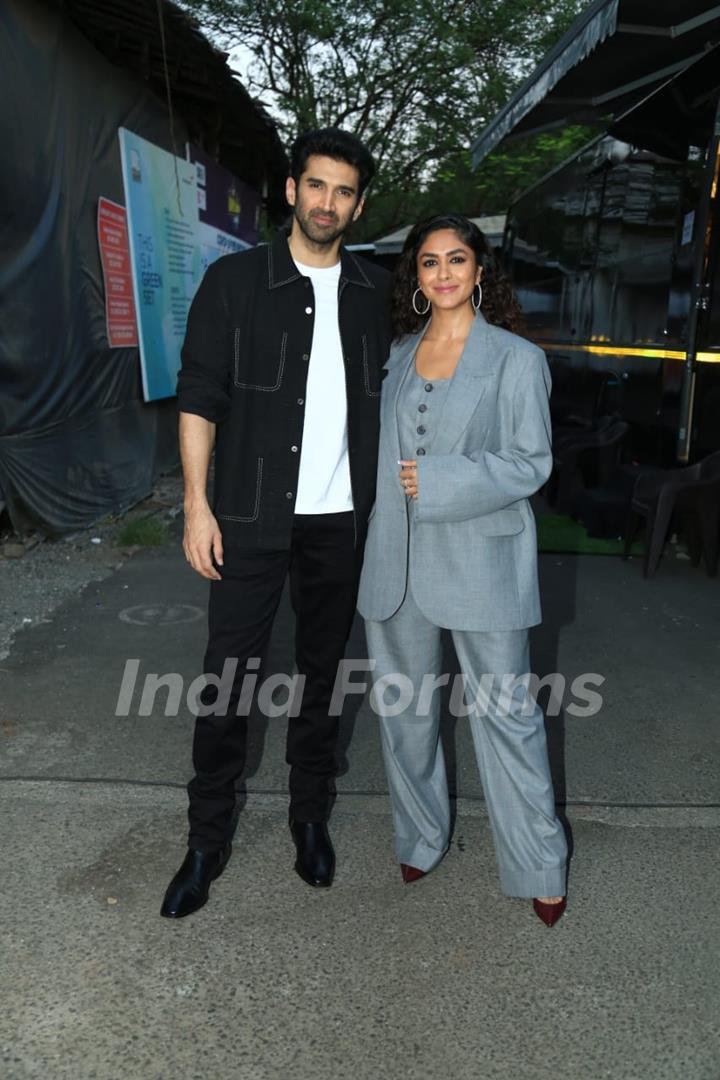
[{"x": 244, "y": 368}]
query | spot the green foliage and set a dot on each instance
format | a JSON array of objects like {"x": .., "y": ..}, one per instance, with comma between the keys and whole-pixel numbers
[
  {"x": 416, "y": 79},
  {"x": 143, "y": 532}
]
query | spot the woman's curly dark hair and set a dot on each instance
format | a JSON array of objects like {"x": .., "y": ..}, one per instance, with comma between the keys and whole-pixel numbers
[{"x": 499, "y": 303}]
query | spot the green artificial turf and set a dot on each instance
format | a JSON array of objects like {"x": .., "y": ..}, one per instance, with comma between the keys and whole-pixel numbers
[{"x": 562, "y": 534}]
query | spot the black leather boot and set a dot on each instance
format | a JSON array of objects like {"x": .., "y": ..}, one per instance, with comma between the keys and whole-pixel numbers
[
  {"x": 315, "y": 861},
  {"x": 189, "y": 889}
]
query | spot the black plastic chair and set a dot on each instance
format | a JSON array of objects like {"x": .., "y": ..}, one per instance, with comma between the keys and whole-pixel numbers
[
  {"x": 584, "y": 453},
  {"x": 659, "y": 494}
]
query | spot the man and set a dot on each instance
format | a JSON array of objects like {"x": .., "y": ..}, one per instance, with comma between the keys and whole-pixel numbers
[{"x": 281, "y": 374}]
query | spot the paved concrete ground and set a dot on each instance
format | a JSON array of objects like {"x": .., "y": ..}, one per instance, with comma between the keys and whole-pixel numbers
[{"x": 370, "y": 979}]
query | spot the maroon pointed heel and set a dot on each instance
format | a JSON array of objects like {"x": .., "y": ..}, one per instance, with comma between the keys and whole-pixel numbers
[
  {"x": 549, "y": 913},
  {"x": 410, "y": 873}
]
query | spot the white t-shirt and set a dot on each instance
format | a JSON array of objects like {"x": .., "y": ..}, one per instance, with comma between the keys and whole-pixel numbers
[{"x": 324, "y": 482}]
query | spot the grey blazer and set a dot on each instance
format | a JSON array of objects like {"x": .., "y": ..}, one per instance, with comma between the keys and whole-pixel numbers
[{"x": 471, "y": 555}]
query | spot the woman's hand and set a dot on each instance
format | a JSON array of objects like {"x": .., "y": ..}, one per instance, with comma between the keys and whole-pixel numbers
[{"x": 408, "y": 478}]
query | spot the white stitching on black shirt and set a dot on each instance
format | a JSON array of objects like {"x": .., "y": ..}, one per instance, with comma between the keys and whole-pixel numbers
[
  {"x": 366, "y": 370},
  {"x": 256, "y": 386},
  {"x": 256, "y": 509}
]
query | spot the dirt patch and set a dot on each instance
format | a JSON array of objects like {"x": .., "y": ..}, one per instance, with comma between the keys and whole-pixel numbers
[{"x": 37, "y": 574}]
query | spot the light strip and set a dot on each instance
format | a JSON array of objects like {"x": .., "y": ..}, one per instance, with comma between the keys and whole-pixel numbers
[{"x": 622, "y": 350}]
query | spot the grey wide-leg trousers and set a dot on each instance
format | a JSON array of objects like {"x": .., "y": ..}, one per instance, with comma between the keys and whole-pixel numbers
[{"x": 508, "y": 733}]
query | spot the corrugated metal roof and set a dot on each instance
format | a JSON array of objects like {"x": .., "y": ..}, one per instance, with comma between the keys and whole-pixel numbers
[
  {"x": 218, "y": 111},
  {"x": 492, "y": 226}
]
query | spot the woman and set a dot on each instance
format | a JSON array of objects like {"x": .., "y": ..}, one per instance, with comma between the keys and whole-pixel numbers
[{"x": 465, "y": 441}]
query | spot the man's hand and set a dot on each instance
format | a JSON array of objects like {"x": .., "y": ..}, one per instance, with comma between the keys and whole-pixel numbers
[
  {"x": 202, "y": 542},
  {"x": 202, "y": 539}
]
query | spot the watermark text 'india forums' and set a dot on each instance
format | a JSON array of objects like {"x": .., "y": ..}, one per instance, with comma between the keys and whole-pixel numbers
[{"x": 281, "y": 694}]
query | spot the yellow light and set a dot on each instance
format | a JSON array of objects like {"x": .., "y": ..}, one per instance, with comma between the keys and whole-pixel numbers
[{"x": 622, "y": 350}]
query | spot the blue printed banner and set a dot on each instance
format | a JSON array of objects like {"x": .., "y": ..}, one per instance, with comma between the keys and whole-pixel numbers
[
  {"x": 182, "y": 215},
  {"x": 161, "y": 204}
]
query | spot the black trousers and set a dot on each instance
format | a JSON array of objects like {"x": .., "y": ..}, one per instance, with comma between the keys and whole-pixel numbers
[{"x": 324, "y": 568}]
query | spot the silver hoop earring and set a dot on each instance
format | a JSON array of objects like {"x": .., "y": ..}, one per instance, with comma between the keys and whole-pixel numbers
[
  {"x": 416, "y": 309},
  {"x": 478, "y": 286}
]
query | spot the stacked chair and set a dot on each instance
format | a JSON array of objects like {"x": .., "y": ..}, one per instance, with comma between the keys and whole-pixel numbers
[{"x": 661, "y": 493}]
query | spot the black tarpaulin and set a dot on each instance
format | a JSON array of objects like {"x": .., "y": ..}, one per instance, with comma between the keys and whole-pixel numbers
[
  {"x": 76, "y": 439},
  {"x": 616, "y": 54}
]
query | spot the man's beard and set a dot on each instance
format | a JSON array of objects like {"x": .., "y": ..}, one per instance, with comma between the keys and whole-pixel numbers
[{"x": 324, "y": 235}]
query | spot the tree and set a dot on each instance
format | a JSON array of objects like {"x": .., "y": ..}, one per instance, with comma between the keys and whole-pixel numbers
[{"x": 416, "y": 79}]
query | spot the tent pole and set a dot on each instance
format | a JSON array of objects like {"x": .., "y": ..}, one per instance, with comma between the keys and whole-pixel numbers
[{"x": 707, "y": 217}]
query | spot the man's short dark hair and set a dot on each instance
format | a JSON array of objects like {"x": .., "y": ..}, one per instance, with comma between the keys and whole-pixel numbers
[{"x": 333, "y": 143}]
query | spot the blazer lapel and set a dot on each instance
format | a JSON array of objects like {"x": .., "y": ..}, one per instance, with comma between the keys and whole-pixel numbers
[{"x": 469, "y": 384}]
